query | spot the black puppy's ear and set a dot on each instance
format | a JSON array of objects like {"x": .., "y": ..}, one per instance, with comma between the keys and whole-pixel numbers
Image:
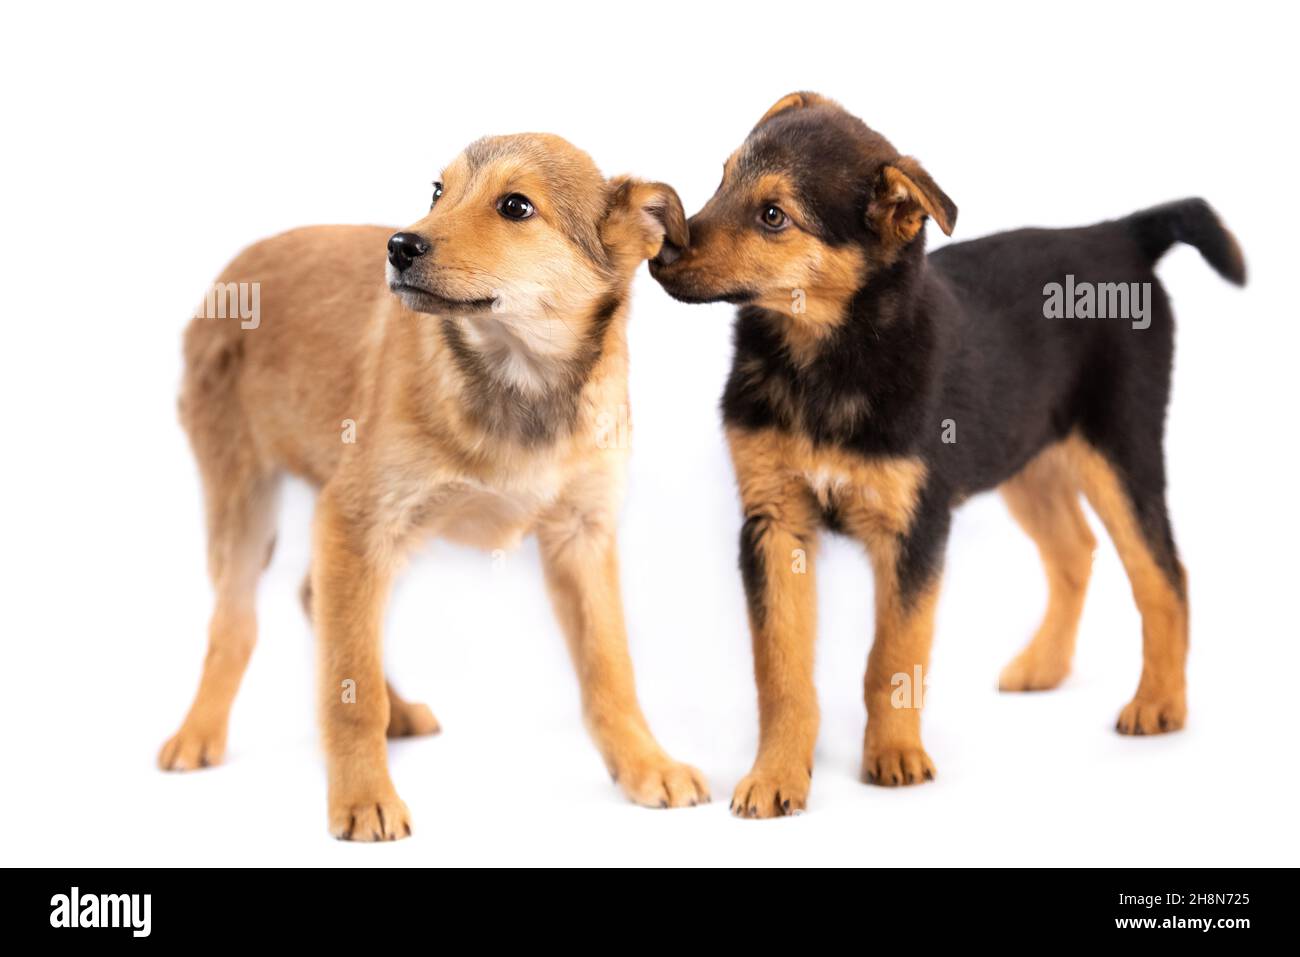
[
  {"x": 644, "y": 221},
  {"x": 903, "y": 196},
  {"x": 792, "y": 101}
]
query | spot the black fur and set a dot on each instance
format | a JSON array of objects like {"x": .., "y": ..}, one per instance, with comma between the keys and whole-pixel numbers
[
  {"x": 960, "y": 335},
  {"x": 753, "y": 571},
  {"x": 957, "y": 339}
]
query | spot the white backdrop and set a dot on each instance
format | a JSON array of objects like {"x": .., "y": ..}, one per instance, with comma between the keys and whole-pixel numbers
[{"x": 145, "y": 146}]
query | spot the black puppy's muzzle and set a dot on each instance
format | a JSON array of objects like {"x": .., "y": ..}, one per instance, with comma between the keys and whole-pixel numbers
[
  {"x": 404, "y": 249},
  {"x": 668, "y": 254}
]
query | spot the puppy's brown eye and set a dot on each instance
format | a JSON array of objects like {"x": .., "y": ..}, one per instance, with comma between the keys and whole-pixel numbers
[
  {"x": 774, "y": 218},
  {"x": 515, "y": 206},
  {"x": 437, "y": 193}
]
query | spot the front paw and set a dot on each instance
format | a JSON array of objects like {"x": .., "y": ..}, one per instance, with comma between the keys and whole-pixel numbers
[
  {"x": 772, "y": 792},
  {"x": 1153, "y": 716},
  {"x": 193, "y": 747},
  {"x": 659, "y": 781},
  {"x": 892, "y": 766},
  {"x": 382, "y": 817}
]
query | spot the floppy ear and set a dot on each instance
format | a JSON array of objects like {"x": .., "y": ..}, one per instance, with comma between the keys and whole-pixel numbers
[
  {"x": 644, "y": 220},
  {"x": 904, "y": 195},
  {"x": 791, "y": 101}
]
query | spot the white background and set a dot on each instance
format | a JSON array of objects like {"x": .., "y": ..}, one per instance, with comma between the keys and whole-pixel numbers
[{"x": 145, "y": 146}]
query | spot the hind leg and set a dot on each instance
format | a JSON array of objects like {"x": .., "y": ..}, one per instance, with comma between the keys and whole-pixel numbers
[
  {"x": 406, "y": 719},
  {"x": 1135, "y": 517},
  {"x": 1044, "y": 499},
  {"x": 409, "y": 718},
  {"x": 241, "y": 533}
]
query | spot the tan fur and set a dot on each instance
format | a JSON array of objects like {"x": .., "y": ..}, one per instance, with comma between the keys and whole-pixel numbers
[
  {"x": 900, "y": 212},
  {"x": 873, "y": 497},
  {"x": 1044, "y": 498},
  {"x": 790, "y": 488},
  {"x": 892, "y": 753},
  {"x": 804, "y": 279},
  {"x": 793, "y": 101},
  {"x": 1160, "y": 703},
  {"x": 788, "y": 483},
  {"x": 431, "y": 457},
  {"x": 772, "y": 488},
  {"x": 790, "y": 271}
]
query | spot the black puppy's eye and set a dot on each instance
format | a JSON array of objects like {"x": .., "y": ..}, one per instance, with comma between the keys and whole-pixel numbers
[
  {"x": 515, "y": 206},
  {"x": 774, "y": 217},
  {"x": 437, "y": 193}
]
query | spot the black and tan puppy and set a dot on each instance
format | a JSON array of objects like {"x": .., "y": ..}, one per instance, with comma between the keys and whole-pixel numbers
[{"x": 875, "y": 388}]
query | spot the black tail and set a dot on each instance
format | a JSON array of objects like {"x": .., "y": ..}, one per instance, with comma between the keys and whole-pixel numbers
[{"x": 1190, "y": 221}]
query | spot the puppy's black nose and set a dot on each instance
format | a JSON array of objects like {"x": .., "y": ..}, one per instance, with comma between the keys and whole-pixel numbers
[
  {"x": 404, "y": 249},
  {"x": 668, "y": 254}
]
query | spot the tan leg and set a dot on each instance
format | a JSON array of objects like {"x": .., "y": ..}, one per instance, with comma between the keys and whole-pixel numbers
[
  {"x": 241, "y": 532},
  {"x": 408, "y": 719},
  {"x": 896, "y": 671},
  {"x": 405, "y": 718},
  {"x": 1159, "y": 589},
  {"x": 1044, "y": 499},
  {"x": 777, "y": 553},
  {"x": 350, "y": 584},
  {"x": 580, "y": 560}
]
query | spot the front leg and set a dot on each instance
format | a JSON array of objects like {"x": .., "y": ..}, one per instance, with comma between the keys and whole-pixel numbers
[
  {"x": 907, "y": 573},
  {"x": 580, "y": 560},
  {"x": 777, "y": 545},
  {"x": 350, "y": 582}
]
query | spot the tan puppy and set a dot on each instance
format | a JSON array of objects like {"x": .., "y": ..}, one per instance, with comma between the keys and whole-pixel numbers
[{"x": 462, "y": 390}]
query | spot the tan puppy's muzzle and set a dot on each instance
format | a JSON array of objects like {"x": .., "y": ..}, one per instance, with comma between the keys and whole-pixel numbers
[{"x": 404, "y": 249}]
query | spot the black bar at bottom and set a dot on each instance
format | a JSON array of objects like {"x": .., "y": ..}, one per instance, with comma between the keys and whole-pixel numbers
[{"x": 211, "y": 906}]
